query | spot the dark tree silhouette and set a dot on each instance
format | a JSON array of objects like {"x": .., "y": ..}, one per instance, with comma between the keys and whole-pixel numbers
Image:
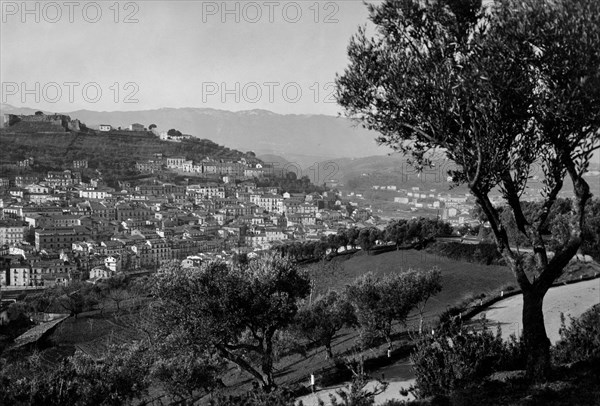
[{"x": 499, "y": 93}]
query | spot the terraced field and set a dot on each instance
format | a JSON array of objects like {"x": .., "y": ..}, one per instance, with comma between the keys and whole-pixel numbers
[{"x": 95, "y": 333}]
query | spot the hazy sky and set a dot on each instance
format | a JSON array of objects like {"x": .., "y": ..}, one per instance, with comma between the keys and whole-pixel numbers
[{"x": 278, "y": 55}]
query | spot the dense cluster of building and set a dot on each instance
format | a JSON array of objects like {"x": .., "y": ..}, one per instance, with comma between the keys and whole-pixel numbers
[
  {"x": 453, "y": 208},
  {"x": 63, "y": 226},
  {"x": 210, "y": 168},
  {"x": 57, "y": 228}
]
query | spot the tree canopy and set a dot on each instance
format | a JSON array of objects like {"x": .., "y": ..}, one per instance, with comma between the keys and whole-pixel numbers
[
  {"x": 497, "y": 89},
  {"x": 174, "y": 132},
  {"x": 322, "y": 319},
  {"x": 236, "y": 312},
  {"x": 380, "y": 302}
]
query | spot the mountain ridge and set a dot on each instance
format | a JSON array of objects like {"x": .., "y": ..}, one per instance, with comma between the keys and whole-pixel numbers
[{"x": 255, "y": 130}]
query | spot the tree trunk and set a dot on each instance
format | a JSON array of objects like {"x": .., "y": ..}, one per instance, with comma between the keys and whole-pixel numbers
[
  {"x": 537, "y": 344},
  {"x": 388, "y": 338},
  {"x": 268, "y": 381},
  {"x": 328, "y": 352}
]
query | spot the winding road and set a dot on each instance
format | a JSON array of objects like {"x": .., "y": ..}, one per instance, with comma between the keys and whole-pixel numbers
[{"x": 572, "y": 300}]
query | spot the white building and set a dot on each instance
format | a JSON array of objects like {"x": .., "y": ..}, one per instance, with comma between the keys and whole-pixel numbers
[
  {"x": 100, "y": 272},
  {"x": 94, "y": 194}
]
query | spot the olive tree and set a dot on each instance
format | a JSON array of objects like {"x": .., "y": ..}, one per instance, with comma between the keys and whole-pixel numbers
[
  {"x": 423, "y": 285},
  {"x": 322, "y": 319},
  {"x": 499, "y": 91},
  {"x": 380, "y": 302},
  {"x": 235, "y": 312}
]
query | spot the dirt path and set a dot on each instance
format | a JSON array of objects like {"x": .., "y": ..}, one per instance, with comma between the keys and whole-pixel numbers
[
  {"x": 391, "y": 392},
  {"x": 572, "y": 300}
]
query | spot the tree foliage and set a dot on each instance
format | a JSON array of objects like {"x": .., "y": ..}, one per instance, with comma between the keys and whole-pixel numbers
[
  {"x": 116, "y": 289},
  {"x": 380, "y": 302},
  {"x": 423, "y": 285},
  {"x": 498, "y": 91},
  {"x": 174, "y": 132},
  {"x": 457, "y": 359},
  {"x": 122, "y": 375},
  {"x": 580, "y": 341},
  {"x": 75, "y": 298},
  {"x": 187, "y": 375},
  {"x": 279, "y": 397},
  {"x": 236, "y": 312},
  {"x": 322, "y": 319}
]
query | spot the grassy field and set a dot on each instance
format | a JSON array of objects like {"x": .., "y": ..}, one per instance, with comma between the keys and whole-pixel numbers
[{"x": 460, "y": 280}]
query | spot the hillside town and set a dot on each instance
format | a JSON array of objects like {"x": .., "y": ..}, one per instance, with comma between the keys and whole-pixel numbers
[
  {"x": 63, "y": 227},
  {"x": 72, "y": 225},
  {"x": 363, "y": 204}
]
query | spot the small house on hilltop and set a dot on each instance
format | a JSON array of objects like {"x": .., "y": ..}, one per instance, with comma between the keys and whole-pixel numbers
[{"x": 136, "y": 127}]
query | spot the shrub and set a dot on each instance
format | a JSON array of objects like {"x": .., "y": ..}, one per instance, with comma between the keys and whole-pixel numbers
[
  {"x": 450, "y": 317},
  {"x": 118, "y": 378},
  {"x": 356, "y": 393},
  {"x": 482, "y": 253},
  {"x": 581, "y": 340},
  {"x": 455, "y": 359},
  {"x": 278, "y": 397}
]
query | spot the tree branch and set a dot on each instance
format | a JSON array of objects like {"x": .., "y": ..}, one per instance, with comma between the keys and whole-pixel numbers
[
  {"x": 422, "y": 134},
  {"x": 513, "y": 261},
  {"x": 247, "y": 347},
  {"x": 533, "y": 234},
  {"x": 548, "y": 203},
  {"x": 245, "y": 365},
  {"x": 562, "y": 258},
  {"x": 475, "y": 179}
]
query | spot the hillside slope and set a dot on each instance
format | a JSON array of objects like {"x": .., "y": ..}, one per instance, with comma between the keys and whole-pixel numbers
[
  {"x": 256, "y": 130},
  {"x": 102, "y": 150}
]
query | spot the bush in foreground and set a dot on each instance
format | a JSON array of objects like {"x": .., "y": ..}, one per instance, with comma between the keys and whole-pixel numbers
[
  {"x": 581, "y": 340},
  {"x": 456, "y": 359},
  {"x": 78, "y": 380}
]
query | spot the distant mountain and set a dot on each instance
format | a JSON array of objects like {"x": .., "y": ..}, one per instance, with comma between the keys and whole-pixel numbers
[
  {"x": 394, "y": 169},
  {"x": 8, "y": 109},
  {"x": 256, "y": 130}
]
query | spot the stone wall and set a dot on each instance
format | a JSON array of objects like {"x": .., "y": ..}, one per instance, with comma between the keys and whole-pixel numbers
[{"x": 39, "y": 123}]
